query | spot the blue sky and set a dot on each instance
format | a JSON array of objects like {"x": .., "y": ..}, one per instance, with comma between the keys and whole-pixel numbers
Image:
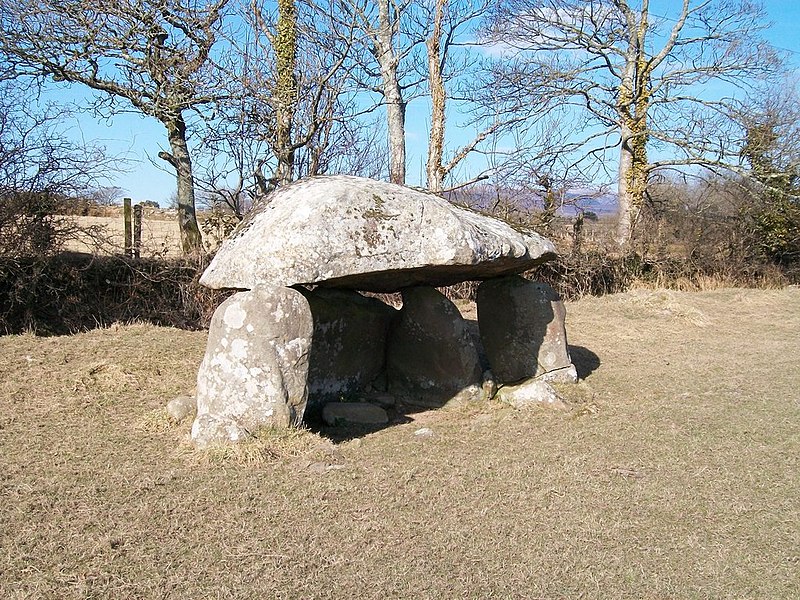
[{"x": 138, "y": 139}]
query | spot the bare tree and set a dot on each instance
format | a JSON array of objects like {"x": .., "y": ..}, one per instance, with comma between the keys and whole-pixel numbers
[
  {"x": 106, "y": 195},
  {"x": 152, "y": 55},
  {"x": 391, "y": 42},
  {"x": 450, "y": 21},
  {"x": 40, "y": 170},
  {"x": 287, "y": 113},
  {"x": 310, "y": 48},
  {"x": 406, "y": 46},
  {"x": 634, "y": 81}
]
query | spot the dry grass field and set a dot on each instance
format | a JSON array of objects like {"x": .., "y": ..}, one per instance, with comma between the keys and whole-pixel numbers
[
  {"x": 159, "y": 237},
  {"x": 676, "y": 473},
  {"x": 160, "y": 233}
]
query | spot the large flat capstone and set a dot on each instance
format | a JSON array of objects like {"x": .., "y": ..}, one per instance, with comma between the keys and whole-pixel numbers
[{"x": 357, "y": 233}]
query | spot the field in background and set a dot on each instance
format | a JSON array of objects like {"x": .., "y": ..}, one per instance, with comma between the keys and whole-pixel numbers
[
  {"x": 160, "y": 234},
  {"x": 674, "y": 475}
]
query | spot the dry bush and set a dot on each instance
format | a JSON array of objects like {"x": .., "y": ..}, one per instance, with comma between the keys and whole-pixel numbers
[
  {"x": 696, "y": 233},
  {"x": 29, "y": 225},
  {"x": 724, "y": 226},
  {"x": 66, "y": 293}
]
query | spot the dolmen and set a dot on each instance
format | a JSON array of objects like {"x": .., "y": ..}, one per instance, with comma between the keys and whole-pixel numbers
[{"x": 300, "y": 338}]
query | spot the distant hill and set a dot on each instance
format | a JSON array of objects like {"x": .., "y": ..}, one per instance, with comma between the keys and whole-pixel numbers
[{"x": 486, "y": 198}]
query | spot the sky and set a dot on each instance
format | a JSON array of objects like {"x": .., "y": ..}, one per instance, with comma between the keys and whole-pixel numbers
[{"x": 137, "y": 139}]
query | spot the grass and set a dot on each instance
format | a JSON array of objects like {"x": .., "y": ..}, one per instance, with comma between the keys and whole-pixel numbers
[
  {"x": 675, "y": 474},
  {"x": 160, "y": 235}
]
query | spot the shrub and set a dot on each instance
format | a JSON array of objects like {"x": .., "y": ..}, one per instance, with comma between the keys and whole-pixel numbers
[
  {"x": 72, "y": 292},
  {"x": 28, "y": 225},
  {"x": 776, "y": 230}
]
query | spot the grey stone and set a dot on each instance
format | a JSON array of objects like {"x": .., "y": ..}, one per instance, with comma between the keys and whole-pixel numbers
[
  {"x": 521, "y": 324},
  {"x": 362, "y": 234},
  {"x": 348, "y": 352},
  {"x": 382, "y": 399},
  {"x": 431, "y": 357},
  {"x": 566, "y": 375},
  {"x": 533, "y": 392},
  {"x": 256, "y": 364},
  {"x": 181, "y": 407},
  {"x": 209, "y": 430},
  {"x": 472, "y": 393},
  {"x": 337, "y": 414}
]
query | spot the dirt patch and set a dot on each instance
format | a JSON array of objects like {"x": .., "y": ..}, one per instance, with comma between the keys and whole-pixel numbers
[{"x": 673, "y": 476}]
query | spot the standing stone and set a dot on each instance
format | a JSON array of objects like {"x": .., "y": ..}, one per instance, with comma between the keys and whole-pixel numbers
[
  {"x": 431, "y": 357},
  {"x": 521, "y": 324},
  {"x": 349, "y": 350},
  {"x": 256, "y": 363}
]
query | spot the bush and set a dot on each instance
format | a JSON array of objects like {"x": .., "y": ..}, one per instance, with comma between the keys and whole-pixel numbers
[
  {"x": 28, "y": 225},
  {"x": 776, "y": 230},
  {"x": 66, "y": 293}
]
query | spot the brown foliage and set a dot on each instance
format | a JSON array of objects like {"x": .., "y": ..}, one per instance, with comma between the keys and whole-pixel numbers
[{"x": 70, "y": 292}]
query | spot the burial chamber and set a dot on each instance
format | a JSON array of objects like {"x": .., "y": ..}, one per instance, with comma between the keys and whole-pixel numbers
[{"x": 299, "y": 336}]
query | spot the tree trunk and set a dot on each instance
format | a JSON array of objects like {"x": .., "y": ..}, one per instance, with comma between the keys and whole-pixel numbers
[
  {"x": 625, "y": 196},
  {"x": 392, "y": 95},
  {"x": 633, "y": 172},
  {"x": 286, "y": 92},
  {"x": 548, "y": 208},
  {"x": 191, "y": 240},
  {"x": 435, "y": 170},
  {"x": 633, "y": 102},
  {"x": 577, "y": 233}
]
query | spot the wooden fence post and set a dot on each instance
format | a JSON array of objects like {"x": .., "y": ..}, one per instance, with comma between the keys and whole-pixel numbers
[
  {"x": 128, "y": 228},
  {"x": 137, "y": 231}
]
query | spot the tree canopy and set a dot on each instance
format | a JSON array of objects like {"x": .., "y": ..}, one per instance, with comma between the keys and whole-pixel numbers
[{"x": 265, "y": 91}]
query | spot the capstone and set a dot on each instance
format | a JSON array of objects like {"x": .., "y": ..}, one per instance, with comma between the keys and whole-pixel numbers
[{"x": 357, "y": 233}]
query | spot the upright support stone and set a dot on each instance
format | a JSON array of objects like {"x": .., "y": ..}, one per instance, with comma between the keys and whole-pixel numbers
[
  {"x": 348, "y": 355},
  {"x": 521, "y": 324},
  {"x": 431, "y": 357},
  {"x": 256, "y": 365}
]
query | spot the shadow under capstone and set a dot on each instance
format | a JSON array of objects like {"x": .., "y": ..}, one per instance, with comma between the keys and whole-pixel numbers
[{"x": 404, "y": 361}]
